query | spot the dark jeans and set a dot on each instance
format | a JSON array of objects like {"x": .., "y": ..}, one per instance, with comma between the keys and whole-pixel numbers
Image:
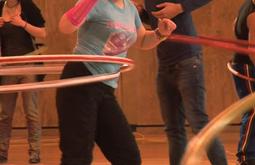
[
  {"x": 181, "y": 93},
  {"x": 246, "y": 146},
  {"x": 90, "y": 113}
]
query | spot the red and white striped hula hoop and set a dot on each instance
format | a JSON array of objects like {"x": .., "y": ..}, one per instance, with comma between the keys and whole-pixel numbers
[
  {"x": 31, "y": 70},
  {"x": 234, "y": 72},
  {"x": 127, "y": 65},
  {"x": 241, "y": 46},
  {"x": 233, "y": 45}
]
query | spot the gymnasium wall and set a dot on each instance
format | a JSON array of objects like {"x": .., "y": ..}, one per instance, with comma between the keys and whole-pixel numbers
[{"x": 136, "y": 92}]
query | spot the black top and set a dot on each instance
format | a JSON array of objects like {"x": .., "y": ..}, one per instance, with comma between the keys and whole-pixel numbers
[
  {"x": 173, "y": 52},
  {"x": 14, "y": 39},
  {"x": 241, "y": 29}
]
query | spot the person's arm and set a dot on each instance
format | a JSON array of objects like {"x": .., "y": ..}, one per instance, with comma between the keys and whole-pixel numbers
[
  {"x": 148, "y": 39},
  {"x": 190, "y": 5},
  {"x": 74, "y": 17},
  {"x": 39, "y": 32},
  {"x": 65, "y": 26},
  {"x": 33, "y": 30},
  {"x": 33, "y": 22},
  {"x": 251, "y": 27},
  {"x": 171, "y": 10}
]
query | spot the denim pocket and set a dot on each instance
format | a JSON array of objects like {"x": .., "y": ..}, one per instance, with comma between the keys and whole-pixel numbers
[
  {"x": 191, "y": 70},
  {"x": 193, "y": 63}
]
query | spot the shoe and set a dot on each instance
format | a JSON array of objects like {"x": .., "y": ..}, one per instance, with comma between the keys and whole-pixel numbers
[
  {"x": 34, "y": 157},
  {"x": 3, "y": 159}
]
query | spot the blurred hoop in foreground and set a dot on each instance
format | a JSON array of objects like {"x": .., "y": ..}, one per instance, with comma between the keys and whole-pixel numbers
[
  {"x": 6, "y": 68},
  {"x": 200, "y": 142}
]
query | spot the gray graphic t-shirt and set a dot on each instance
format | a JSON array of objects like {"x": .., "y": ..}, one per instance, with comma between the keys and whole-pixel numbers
[{"x": 108, "y": 30}]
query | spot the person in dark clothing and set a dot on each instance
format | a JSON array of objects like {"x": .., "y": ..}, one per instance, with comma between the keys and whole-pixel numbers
[
  {"x": 20, "y": 21},
  {"x": 245, "y": 30},
  {"x": 180, "y": 79}
]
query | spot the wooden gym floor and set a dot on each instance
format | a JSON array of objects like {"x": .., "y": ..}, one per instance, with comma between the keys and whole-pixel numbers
[{"x": 153, "y": 147}]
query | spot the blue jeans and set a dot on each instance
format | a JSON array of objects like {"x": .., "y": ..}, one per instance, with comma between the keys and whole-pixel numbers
[
  {"x": 32, "y": 114},
  {"x": 246, "y": 146},
  {"x": 181, "y": 94}
]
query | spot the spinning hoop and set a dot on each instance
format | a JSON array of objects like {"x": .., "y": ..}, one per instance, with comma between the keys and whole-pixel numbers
[
  {"x": 127, "y": 65},
  {"x": 30, "y": 69},
  {"x": 241, "y": 46},
  {"x": 234, "y": 45},
  {"x": 234, "y": 72},
  {"x": 41, "y": 48},
  {"x": 199, "y": 143}
]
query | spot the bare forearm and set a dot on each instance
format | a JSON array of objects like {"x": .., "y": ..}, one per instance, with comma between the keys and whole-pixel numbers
[
  {"x": 66, "y": 26},
  {"x": 39, "y": 32},
  {"x": 150, "y": 40}
]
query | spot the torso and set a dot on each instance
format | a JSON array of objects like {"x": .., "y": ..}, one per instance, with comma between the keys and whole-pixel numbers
[
  {"x": 7, "y": 12},
  {"x": 14, "y": 39},
  {"x": 109, "y": 30},
  {"x": 170, "y": 53},
  {"x": 242, "y": 30}
]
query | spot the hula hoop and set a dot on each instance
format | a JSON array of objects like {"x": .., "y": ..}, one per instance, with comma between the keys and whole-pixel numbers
[
  {"x": 30, "y": 70},
  {"x": 240, "y": 46},
  {"x": 42, "y": 48},
  {"x": 234, "y": 72},
  {"x": 201, "y": 141},
  {"x": 127, "y": 65}
]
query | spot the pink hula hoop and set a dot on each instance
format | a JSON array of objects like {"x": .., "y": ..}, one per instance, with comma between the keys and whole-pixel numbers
[
  {"x": 240, "y": 46},
  {"x": 127, "y": 65}
]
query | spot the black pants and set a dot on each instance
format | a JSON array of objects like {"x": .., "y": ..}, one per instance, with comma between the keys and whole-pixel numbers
[{"x": 90, "y": 113}]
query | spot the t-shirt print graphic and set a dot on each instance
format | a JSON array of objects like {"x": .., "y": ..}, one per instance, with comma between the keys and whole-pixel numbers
[{"x": 118, "y": 43}]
